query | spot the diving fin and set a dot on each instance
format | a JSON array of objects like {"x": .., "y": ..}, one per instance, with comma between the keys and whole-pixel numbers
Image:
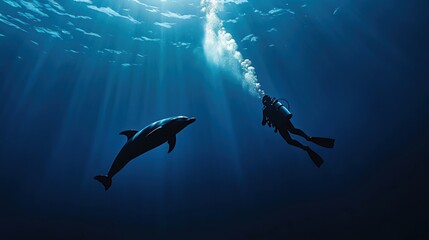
[
  {"x": 314, "y": 157},
  {"x": 324, "y": 142}
]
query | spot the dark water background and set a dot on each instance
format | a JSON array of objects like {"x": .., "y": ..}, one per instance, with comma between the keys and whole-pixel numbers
[{"x": 359, "y": 75}]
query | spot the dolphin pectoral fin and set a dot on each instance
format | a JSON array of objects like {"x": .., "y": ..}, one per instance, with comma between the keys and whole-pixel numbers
[
  {"x": 129, "y": 133},
  {"x": 171, "y": 143}
]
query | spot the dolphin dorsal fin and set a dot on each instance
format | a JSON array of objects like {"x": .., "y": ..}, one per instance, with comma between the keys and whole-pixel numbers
[{"x": 129, "y": 133}]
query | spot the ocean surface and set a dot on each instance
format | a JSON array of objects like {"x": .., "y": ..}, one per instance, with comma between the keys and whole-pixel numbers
[{"x": 73, "y": 74}]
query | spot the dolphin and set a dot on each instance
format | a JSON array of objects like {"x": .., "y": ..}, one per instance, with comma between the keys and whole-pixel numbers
[{"x": 139, "y": 142}]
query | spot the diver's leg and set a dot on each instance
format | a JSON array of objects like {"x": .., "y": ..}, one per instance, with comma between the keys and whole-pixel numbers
[
  {"x": 291, "y": 141},
  {"x": 321, "y": 141},
  {"x": 313, "y": 155},
  {"x": 292, "y": 129}
]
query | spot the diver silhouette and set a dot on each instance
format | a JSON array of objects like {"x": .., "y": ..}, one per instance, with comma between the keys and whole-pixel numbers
[{"x": 276, "y": 115}]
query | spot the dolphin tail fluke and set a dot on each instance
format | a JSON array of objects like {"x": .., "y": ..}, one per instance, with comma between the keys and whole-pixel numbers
[{"x": 105, "y": 180}]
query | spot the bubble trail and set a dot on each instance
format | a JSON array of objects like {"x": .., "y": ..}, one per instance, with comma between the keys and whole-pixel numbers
[{"x": 220, "y": 49}]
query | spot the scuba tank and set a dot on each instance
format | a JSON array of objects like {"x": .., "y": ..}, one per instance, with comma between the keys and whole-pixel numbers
[{"x": 278, "y": 106}]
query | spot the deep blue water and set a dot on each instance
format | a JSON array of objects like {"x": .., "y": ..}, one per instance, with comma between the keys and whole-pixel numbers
[{"x": 75, "y": 74}]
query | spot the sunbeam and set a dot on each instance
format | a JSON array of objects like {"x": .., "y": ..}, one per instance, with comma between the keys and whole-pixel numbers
[{"x": 75, "y": 74}]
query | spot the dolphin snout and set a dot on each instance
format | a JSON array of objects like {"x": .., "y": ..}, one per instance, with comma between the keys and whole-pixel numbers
[{"x": 191, "y": 120}]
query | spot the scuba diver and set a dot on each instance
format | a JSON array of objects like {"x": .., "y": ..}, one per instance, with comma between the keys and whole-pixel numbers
[{"x": 276, "y": 115}]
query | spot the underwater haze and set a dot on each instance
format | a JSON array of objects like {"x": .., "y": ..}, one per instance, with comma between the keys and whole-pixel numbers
[{"x": 76, "y": 73}]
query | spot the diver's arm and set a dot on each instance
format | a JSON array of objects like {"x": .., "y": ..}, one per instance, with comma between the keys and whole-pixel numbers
[{"x": 264, "y": 118}]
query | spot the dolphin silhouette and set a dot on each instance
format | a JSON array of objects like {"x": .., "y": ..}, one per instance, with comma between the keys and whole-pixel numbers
[{"x": 139, "y": 142}]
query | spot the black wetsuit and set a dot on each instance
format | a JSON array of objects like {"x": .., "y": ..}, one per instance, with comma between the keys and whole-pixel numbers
[
  {"x": 282, "y": 123},
  {"x": 276, "y": 115}
]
